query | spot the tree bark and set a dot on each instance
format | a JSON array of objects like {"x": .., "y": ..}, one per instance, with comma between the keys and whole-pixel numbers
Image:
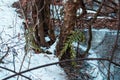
[
  {"x": 45, "y": 28},
  {"x": 38, "y": 25},
  {"x": 70, "y": 9}
]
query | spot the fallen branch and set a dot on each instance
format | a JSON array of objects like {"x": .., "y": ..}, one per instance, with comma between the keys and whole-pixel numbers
[
  {"x": 64, "y": 61},
  {"x": 15, "y": 72}
]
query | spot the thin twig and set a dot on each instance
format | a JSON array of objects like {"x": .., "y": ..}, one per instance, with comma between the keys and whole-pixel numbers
[
  {"x": 22, "y": 64},
  {"x": 90, "y": 29},
  {"x": 1, "y": 60}
]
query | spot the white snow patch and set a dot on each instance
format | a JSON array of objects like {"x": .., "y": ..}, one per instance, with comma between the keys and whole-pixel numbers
[
  {"x": 104, "y": 17},
  {"x": 53, "y": 47},
  {"x": 47, "y": 39},
  {"x": 90, "y": 11},
  {"x": 95, "y": 70}
]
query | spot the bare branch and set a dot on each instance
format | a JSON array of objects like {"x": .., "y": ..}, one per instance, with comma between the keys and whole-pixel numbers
[
  {"x": 90, "y": 29},
  {"x": 64, "y": 61},
  {"x": 14, "y": 72}
]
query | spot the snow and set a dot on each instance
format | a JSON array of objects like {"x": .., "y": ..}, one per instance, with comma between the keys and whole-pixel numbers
[
  {"x": 98, "y": 37},
  {"x": 105, "y": 30},
  {"x": 94, "y": 71},
  {"x": 90, "y": 11},
  {"x": 53, "y": 47},
  {"x": 12, "y": 37}
]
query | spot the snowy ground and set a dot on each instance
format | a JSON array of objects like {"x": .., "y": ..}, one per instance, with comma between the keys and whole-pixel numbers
[
  {"x": 12, "y": 43},
  {"x": 12, "y": 46}
]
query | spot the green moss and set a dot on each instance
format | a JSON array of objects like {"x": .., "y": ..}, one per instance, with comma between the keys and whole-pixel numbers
[{"x": 30, "y": 40}]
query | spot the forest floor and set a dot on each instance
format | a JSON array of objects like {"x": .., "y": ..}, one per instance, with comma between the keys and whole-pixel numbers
[{"x": 100, "y": 23}]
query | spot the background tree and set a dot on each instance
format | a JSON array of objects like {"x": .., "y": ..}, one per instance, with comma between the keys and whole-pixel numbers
[{"x": 38, "y": 24}]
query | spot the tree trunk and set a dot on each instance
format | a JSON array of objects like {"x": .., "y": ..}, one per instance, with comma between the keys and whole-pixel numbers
[
  {"x": 38, "y": 25},
  {"x": 48, "y": 22},
  {"x": 45, "y": 28},
  {"x": 70, "y": 10}
]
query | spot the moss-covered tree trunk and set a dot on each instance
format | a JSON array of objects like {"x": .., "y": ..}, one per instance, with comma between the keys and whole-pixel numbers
[
  {"x": 38, "y": 25},
  {"x": 31, "y": 42},
  {"x": 70, "y": 9}
]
